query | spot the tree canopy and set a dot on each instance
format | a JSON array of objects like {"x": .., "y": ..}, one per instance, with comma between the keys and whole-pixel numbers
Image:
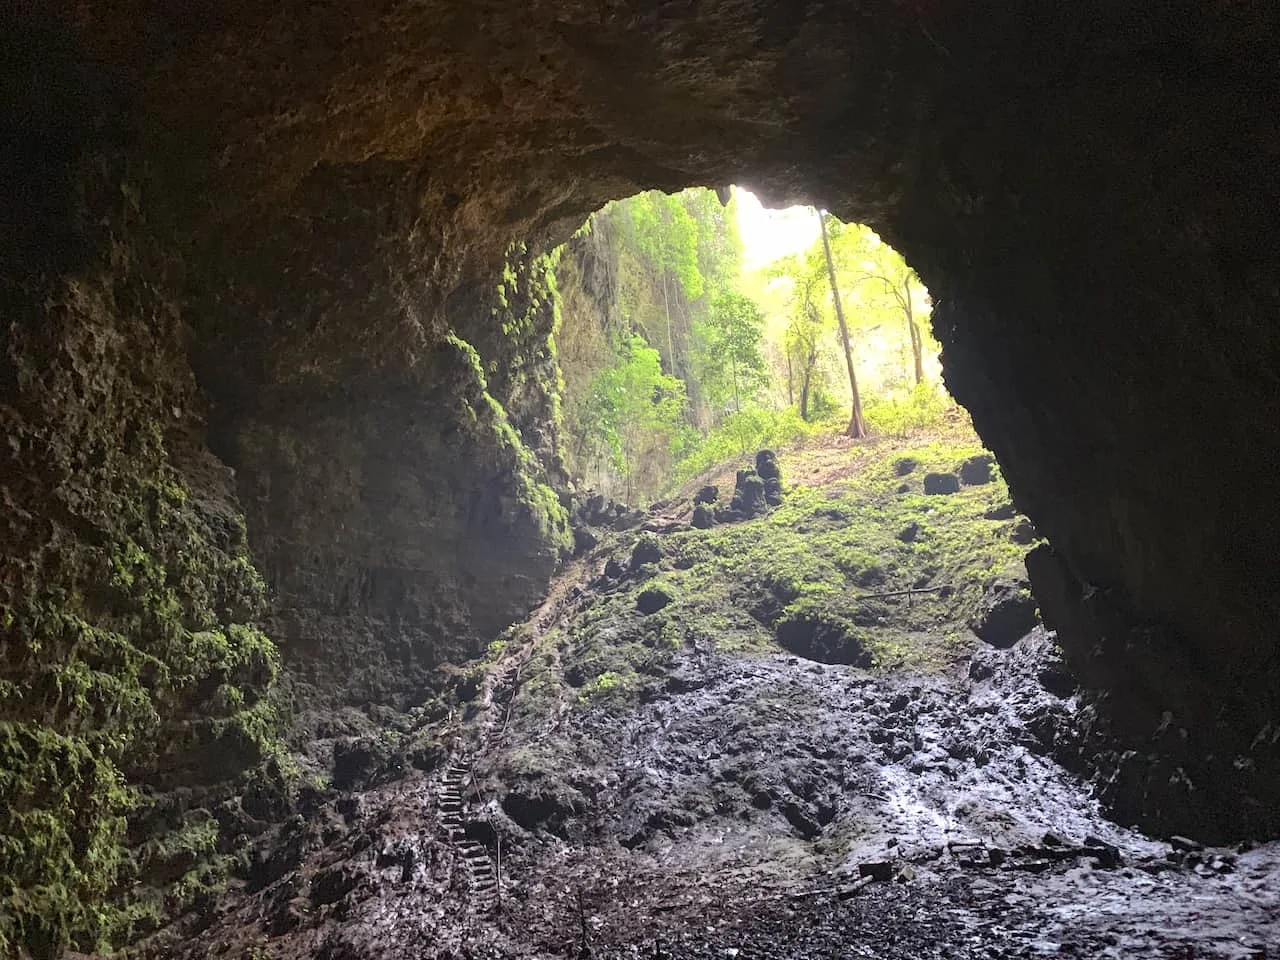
[{"x": 673, "y": 351}]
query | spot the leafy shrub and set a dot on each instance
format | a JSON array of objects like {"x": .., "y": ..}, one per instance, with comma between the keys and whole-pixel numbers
[
  {"x": 923, "y": 407},
  {"x": 742, "y": 433}
]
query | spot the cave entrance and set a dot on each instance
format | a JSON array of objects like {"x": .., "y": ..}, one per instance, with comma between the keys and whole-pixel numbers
[
  {"x": 699, "y": 324},
  {"x": 711, "y": 348}
]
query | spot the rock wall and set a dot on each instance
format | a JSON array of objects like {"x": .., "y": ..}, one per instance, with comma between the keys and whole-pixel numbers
[
  {"x": 325, "y": 196},
  {"x": 134, "y": 677}
]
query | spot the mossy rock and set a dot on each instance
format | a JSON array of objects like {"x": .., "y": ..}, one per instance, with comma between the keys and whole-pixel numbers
[
  {"x": 821, "y": 638},
  {"x": 648, "y": 549},
  {"x": 654, "y": 597},
  {"x": 707, "y": 494},
  {"x": 749, "y": 494},
  {"x": 977, "y": 471},
  {"x": 937, "y": 484},
  {"x": 767, "y": 465}
]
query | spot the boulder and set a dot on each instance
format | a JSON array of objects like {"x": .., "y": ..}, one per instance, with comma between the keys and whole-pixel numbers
[
  {"x": 941, "y": 483},
  {"x": 583, "y": 540},
  {"x": 905, "y": 465},
  {"x": 749, "y": 494},
  {"x": 767, "y": 465},
  {"x": 1006, "y": 614},
  {"x": 708, "y": 494},
  {"x": 703, "y": 517},
  {"x": 648, "y": 549},
  {"x": 1024, "y": 533},
  {"x": 977, "y": 470}
]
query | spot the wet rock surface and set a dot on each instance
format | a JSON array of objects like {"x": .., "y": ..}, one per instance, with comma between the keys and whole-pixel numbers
[
  {"x": 761, "y": 806},
  {"x": 1007, "y": 613}
]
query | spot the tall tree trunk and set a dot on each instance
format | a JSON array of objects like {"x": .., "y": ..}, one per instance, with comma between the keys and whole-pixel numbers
[
  {"x": 733, "y": 368},
  {"x": 671, "y": 350},
  {"x": 857, "y": 426},
  {"x": 917, "y": 348},
  {"x": 811, "y": 361}
]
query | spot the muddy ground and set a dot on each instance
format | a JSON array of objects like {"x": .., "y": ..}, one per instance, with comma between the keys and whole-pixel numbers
[
  {"x": 758, "y": 807},
  {"x": 731, "y": 800}
]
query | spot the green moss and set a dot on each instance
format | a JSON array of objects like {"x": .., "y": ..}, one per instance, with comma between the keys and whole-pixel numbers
[
  {"x": 534, "y": 502},
  {"x": 827, "y": 553},
  {"x": 606, "y": 683},
  {"x": 123, "y": 662},
  {"x": 821, "y": 557}
]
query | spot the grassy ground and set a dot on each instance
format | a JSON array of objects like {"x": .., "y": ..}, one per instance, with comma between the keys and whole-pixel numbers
[{"x": 810, "y": 576}]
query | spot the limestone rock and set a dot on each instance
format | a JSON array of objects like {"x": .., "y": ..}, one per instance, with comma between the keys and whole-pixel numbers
[
  {"x": 648, "y": 549},
  {"x": 1006, "y": 614},
  {"x": 748, "y": 494},
  {"x": 977, "y": 470},
  {"x": 936, "y": 484}
]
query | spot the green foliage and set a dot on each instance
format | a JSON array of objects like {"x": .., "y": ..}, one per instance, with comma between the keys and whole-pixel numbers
[
  {"x": 635, "y": 408},
  {"x": 904, "y": 412},
  {"x": 755, "y": 428},
  {"x": 674, "y": 269},
  {"x": 730, "y": 366},
  {"x": 142, "y": 668},
  {"x": 688, "y": 236}
]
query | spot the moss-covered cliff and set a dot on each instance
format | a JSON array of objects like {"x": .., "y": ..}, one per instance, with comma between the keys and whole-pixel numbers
[{"x": 132, "y": 662}]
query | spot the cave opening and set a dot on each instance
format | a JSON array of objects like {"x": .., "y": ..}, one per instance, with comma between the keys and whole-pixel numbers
[{"x": 698, "y": 324}]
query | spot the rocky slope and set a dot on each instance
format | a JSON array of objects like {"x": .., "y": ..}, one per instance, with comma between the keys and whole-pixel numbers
[{"x": 675, "y": 783}]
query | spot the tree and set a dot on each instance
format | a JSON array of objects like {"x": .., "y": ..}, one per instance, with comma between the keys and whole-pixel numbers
[
  {"x": 883, "y": 284},
  {"x": 730, "y": 364},
  {"x": 804, "y": 335},
  {"x": 635, "y": 408},
  {"x": 667, "y": 236},
  {"x": 899, "y": 289},
  {"x": 806, "y": 328},
  {"x": 857, "y": 425}
]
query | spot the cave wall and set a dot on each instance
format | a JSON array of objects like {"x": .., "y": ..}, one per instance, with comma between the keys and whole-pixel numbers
[
  {"x": 393, "y": 437},
  {"x": 134, "y": 676},
  {"x": 325, "y": 199}
]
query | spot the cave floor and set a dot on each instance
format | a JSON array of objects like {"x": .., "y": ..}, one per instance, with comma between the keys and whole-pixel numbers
[
  {"x": 1006, "y": 857},
  {"x": 729, "y": 799}
]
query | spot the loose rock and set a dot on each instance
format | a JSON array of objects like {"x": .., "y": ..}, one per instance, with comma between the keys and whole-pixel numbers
[
  {"x": 977, "y": 470},
  {"x": 703, "y": 517},
  {"x": 708, "y": 494},
  {"x": 936, "y": 484}
]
